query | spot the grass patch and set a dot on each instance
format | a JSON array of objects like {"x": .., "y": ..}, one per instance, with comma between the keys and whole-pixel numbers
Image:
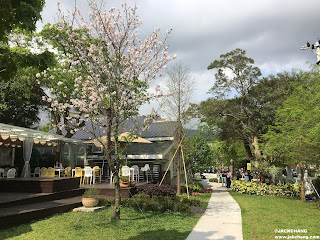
[
  {"x": 133, "y": 225},
  {"x": 262, "y": 215}
]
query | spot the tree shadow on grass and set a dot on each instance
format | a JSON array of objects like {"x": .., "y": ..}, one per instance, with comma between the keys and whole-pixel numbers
[
  {"x": 11, "y": 232},
  {"x": 175, "y": 235},
  {"x": 160, "y": 234}
]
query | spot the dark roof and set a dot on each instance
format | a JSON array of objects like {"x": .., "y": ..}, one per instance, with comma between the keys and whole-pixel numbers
[
  {"x": 156, "y": 129},
  {"x": 148, "y": 148}
]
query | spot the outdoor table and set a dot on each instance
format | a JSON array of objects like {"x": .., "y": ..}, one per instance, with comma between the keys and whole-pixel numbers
[{"x": 59, "y": 170}]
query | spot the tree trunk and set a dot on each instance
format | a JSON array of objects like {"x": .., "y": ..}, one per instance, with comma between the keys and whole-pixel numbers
[
  {"x": 58, "y": 153},
  {"x": 116, "y": 207},
  {"x": 232, "y": 170},
  {"x": 115, "y": 170},
  {"x": 303, "y": 194},
  {"x": 257, "y": 151},
  {"x": 248, "y": 150}
]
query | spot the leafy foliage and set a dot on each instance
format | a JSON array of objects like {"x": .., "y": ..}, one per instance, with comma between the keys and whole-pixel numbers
[
  {"x": 197, "y": 152},
  {"x": 224, "y": 151},
  {"x": 195, "y": 187},
  {"x": 21, "y": 14},
  {"x": 20, "y": 99},
  {"x": 262, "y": 189},
  {"x": 294, "y": 139}
]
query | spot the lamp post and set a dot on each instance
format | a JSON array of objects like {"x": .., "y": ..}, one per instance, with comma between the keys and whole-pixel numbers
[{"x": 314, "y": 48}]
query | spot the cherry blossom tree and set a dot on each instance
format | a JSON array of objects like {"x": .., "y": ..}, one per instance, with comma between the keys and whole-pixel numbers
[{"x": 116, "y": 68}]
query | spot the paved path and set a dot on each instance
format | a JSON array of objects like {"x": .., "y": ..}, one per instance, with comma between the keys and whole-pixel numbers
[{"x": 222, "y": 219}]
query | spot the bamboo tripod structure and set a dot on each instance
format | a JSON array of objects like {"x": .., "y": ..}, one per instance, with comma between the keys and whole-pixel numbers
[{"x": 184, "y": 165}]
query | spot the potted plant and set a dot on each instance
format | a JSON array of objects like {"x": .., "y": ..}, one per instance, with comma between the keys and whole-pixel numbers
[
  {"x": 124, "y": 181},
  {"x": 132, "y": 183},
  {"x": 89, "y": 198}
]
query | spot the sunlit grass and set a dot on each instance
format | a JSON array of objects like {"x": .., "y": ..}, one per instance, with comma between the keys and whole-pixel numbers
[
  {"x": 132, "y": 225},
  {"x": 262, "y": 215}
]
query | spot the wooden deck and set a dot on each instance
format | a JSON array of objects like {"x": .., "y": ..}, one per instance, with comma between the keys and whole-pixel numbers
[
  {"x": 25, "y": 199},
  {"x": 39, "y": 185},
  {"x": 107, "y": 189}
]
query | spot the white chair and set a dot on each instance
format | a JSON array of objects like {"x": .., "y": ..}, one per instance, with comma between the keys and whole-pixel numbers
[
  {"x": 135, "y": 173},
  {"x": 88, "y": 173},
  {"x": 36, "y": 172},
  {"x": 125, "y": 171},
  {"x": 146, "y": 170},
  {"x": 11, "y": 173}
]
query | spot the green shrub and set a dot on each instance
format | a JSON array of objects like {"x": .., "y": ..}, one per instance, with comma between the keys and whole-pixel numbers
[
  {"x": 191, "y": 202},
  {"x": 91, "y": 193},
  {"x": 157, "y": 204},
  {"x": 194, "y": 187},
  {"x": 106, "y": 202},
  {"x": 262, "y": 189}
]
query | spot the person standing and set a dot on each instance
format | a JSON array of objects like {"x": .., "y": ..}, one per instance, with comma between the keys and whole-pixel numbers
[
  {"x": 223, "y": 177},
  {"x": 228, "y": 177},
  {"x": 218, "y": 177}
]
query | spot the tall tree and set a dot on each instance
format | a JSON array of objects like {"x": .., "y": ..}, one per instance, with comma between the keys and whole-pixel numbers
[
  {"x": 117, "y": 69},
  {"x": 18, "y": 63},
  {"x": 21, "y": 14},
  {"x": 236, "y": 73},
  {"x": 180, "y": 88},
  {"x": 20, "y": 99},
  {"x": 18, "y": 16},
  {"x": 245, "y": 114},
  {"x": 294, "y": 139},
  {"x": 20, "y": 93}
]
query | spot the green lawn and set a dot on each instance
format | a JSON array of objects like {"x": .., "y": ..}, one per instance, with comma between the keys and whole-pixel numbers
[
  {"x": 262, "y": 215},
  {"x": 133, "y": 225}
]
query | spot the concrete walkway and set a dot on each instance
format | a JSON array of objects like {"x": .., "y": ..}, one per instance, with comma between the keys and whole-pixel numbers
[{"x": 222, "y": 219}]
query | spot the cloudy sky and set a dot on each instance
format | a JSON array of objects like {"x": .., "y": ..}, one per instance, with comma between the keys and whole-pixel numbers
[{"x": 271, "y": 31}]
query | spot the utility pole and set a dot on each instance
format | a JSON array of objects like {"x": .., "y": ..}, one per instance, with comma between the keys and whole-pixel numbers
[{"x": 315, "y": 48}]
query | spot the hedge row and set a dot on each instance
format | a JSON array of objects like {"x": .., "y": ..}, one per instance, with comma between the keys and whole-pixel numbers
[
  {"x": 262, "y": 189},
  {"x": 158, "y": 204},
  {"x": 167, "y": 190}
]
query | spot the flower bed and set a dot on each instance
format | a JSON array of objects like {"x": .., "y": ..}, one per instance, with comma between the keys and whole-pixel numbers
[{"x": 255, "y": 188}]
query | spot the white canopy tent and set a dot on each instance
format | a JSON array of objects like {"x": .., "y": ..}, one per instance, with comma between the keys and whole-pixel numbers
[{"x": 13, "y": 136}]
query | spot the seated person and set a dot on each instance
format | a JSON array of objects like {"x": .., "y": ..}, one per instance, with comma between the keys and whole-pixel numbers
[{"x": 58, "y": 165}]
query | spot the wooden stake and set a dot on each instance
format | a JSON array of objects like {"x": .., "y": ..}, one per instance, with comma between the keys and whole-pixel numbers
[
  {"x": 185, "y": 172},
  {"x": 172, "y": 159}
]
